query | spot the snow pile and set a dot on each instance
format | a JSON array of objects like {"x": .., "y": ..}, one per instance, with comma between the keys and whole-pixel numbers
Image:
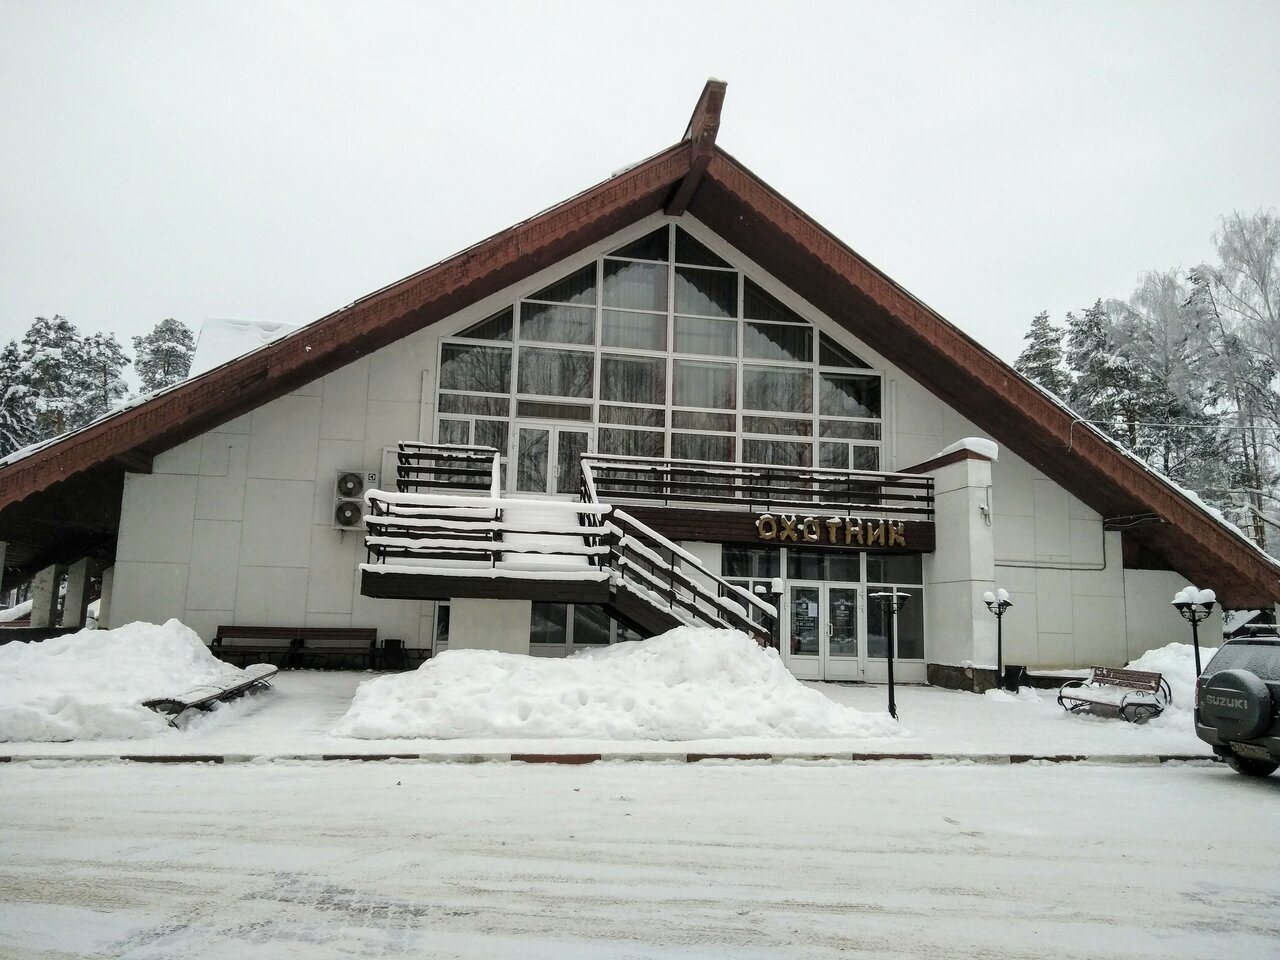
[
  {"x": 1177, "y": 663},
  {"x": 222, "y": 340},
  {"x": 89, "y": 685},
  {"x": 979, "y": 445},
  {"x": 17, "y": 612},
  {"x": 688, "y": 684}
]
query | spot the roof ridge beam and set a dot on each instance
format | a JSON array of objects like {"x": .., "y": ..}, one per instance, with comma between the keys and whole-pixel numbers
[{"x": 701, "y": 133}]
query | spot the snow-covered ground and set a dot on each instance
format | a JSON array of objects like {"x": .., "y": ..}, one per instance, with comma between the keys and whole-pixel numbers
[
  {"x": 653, "y": 697},
  {"x": 297, "y": 718},
  {"x": 653, "y": 860}
]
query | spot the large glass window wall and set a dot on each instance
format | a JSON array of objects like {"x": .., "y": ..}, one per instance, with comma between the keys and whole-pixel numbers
[{"x": 665, "y": 350}]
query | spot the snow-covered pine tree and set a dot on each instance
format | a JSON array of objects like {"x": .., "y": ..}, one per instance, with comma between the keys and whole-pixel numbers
[
  {"x": 98, "y": 378},
  {"x": 17, "y": 414},
  {"x": 164, "y": 354},
  {"x": 1167, "y": 399},
  {"x": 1041, "y": 360},
  {"x": 1098, "y": 372},
  {"x": 49, "y": 356}
]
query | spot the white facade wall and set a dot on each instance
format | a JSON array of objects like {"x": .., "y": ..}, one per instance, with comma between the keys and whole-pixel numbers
[{"x": 235, "y": 526}]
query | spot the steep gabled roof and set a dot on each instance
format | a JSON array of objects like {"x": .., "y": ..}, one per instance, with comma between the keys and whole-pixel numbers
[{"x": 695, "y": 176}]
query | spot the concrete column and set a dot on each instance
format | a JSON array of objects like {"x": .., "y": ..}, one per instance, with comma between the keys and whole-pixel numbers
[
  {"x": 104, "y": 603},
  {"x": 76, "y": 599},
  {"x": 962, "y": 568},
  {"x": 490, "y": 625},
  {"x": 44, "y": 596}
]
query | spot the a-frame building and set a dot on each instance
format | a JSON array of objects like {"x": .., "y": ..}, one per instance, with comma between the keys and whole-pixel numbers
[{"x": 744, "y": 402}]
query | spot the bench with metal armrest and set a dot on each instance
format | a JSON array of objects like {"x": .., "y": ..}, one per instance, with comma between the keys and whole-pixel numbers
[{"x": 1133, "y": 695}]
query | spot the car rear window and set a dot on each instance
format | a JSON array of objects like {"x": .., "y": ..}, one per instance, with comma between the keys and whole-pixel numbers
[{"x": 1259, "y": 657}]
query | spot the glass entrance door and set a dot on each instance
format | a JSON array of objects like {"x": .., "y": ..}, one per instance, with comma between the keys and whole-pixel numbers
[
  {"x": 825, "y": 630},
  {"x": 547, "y": 457}
]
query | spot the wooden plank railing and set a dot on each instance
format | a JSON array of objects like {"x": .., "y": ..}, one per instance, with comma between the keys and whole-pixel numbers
[
  {"x": 422, "y": 466},
  {"x": 448, "y": 535},
  {"x": 614, "y": 479}
]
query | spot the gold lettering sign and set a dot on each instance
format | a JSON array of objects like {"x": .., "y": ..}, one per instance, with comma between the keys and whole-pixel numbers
[{"x": 833, "y": 530}]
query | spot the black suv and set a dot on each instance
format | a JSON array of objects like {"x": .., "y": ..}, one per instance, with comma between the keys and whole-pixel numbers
[{"x": 1238, "y": 704}]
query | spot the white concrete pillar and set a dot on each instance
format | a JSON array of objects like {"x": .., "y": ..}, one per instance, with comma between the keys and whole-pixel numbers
[
  {"x": 962, "y": 568},
  {"x": 490, "y": 625},
  {"x": 76, "y": 599},
  {"x": 104, "y": 602},
  {"x": 44, "y": 596}
]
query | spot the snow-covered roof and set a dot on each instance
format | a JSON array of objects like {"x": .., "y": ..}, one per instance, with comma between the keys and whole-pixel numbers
[{"x": 224, "y": 339}]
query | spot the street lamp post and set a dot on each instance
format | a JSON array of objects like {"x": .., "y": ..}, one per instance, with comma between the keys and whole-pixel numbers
[
  {"x": 998, "y": 603},
  {"x": 1195, "y": 607},
  {"x": 891, "y": 602}
]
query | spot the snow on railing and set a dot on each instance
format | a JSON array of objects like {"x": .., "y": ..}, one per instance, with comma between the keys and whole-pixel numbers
[
  {"x": 737, "y": 486},
  {"x": 490, "y": 537}
]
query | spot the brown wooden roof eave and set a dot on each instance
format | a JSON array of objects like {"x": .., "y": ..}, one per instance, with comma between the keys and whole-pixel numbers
[
  {"x": 766, "y": 227},
  {"x": 347, "y": 334}
]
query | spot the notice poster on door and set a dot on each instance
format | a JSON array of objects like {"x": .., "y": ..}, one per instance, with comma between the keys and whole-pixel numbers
[{"x": 844, "y": 616}]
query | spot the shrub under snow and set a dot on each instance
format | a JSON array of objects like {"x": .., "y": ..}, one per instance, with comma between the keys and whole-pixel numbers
[
  {"x": 89, "y": 685},
  {"x": 688, "y": 684}
]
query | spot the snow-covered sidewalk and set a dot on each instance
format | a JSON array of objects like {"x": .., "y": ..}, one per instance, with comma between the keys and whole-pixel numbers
[{"x": 297, "y": 717}]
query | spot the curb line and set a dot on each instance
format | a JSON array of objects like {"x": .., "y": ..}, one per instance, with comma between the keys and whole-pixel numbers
[{"x": 588, "y": 758}]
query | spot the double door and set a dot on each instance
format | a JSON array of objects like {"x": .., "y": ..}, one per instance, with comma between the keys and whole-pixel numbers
[
  {"x": 826, "y": 630},
  {"x": 831, "y": 635},
  {"x": 548, "y": 457}
]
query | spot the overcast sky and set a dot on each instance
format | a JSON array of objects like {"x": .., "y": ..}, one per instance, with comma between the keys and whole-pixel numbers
[{"x": 279, "y": 160}]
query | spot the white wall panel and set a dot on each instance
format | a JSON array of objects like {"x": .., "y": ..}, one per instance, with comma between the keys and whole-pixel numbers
[
  {"x": 1057, "y": 651},
  {"x": 1099, "y": 631},
  {"x": 182, "y": 459},
  {"x": 393, "y": 618},
  {"x": 1053, "y": 591},
  {"x": 388, "y": 422},
  {"x": 215, "y": 453},
  {"x": 154, "y": 592},
  {"x": 277, "y": 523},
  {"x": 1013, "y": 486},
  {"x": 157, "y": 513},
  {"x": 397, "y": 374},
  {"x": 220, "y": 489},
  {"x": 271, "y": 596},
  {"x": 215, "y": 556},
  {"x": 332, "y": 581},
  {"x": 241, "y": 425},
  {"x": 1015, "y": 538},
  {"x": 342, "y": 408},
  {"x": 284, "y": 439},
  {"x": 336, "y": 620},
  {"x": 1053, "y": 530}
]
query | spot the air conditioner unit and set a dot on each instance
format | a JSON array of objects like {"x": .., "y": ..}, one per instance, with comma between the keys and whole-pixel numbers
[{"x": 349, "y": 487}]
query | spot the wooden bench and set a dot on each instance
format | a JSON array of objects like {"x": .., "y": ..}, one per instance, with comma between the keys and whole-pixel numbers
[
  {"x": 299, "y": 646},
  {"x": 1134, "y": 695},
  {"x": 255, "y": 677}
]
